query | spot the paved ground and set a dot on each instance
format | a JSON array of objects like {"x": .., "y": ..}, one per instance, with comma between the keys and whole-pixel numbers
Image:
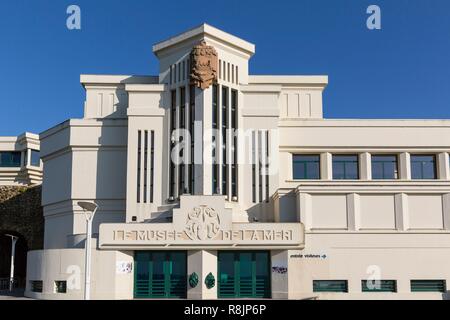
[{"x": 15, "y": 295}]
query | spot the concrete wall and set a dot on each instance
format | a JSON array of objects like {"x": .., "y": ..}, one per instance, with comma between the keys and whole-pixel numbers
[{"x": 68, "y": 265}]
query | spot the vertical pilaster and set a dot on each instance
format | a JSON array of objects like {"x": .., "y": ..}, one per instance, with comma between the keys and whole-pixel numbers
[
  {"x": 353, "y": 212},
  {"x": 405, "y": 166},
  {"x": 446, "y": 210},
  {"x": 365, "y": 166},
  {"x": 326, "y": 166},
  {"x": 401, "y": 212},
  {"x": 304, "y": 209},
  {"x": 443, "y": 166},
  {"x": 202, "y": 262}
]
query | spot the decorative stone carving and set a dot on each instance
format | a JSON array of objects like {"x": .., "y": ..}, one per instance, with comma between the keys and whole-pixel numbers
[
  {"x": 202, "y": 223},
  {"x": 204, "y": 64},
  {"x": 210, "y": 281},
  {"x": 193, "y": 280}
]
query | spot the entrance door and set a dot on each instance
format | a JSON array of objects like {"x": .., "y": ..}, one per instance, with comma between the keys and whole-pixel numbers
[
  {"x": 160, "y": 274},
  {"x": 244, "y": 274}
]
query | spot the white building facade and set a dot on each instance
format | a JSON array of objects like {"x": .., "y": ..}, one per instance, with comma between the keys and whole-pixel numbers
[
  {"x": 266, "y": 199},
  {"x": 20, "y": 163}
]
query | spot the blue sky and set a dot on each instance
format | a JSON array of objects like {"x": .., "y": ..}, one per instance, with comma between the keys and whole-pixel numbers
[{"x": 401, "y": 71}]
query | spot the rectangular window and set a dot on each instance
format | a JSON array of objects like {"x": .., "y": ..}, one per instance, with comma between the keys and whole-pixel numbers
[
  {"x": 330, "y": 286},
  {"x": 152, "y": 163},
  {"x": 175, "y": 73},
  {"x": 173, "y": 123},
  {"x": 423, "y": 167},
  {"x": 184, "y": 70},
  {"x": 306, "y": 167},
  {"x": 145, "y": 164},
  {"x": 267, "y": 165},
  {"x": 191, "y": 129},
  {"x": 35, "y": 158},
  {"x": 215, "y": 127},
  {"x": 428, "y": 286},
  {"x": 234, "y": 173},
  {"x": 224, "y": 140},
  {"x": 182, "y": 126},
  {"x": 345, "y": 167},
  {"x": 138, "y": 186},
  {"x": 10, "y": 159},
  {"x": 60, "y": 286},
  {"x": 379, "y": 286},
  {"x": 254, "y": 166},
  {"x": 36, "y": 286},
  {"x": 260, "y": 167},
  {"x": 384, "y": 167}
]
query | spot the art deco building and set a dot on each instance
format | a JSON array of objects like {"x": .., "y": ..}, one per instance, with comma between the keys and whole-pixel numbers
[{"x": 214, "y": 183}]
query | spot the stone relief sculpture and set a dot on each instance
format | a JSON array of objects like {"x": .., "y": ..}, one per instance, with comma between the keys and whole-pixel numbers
[
  {"x": 204, "y": 64},
  {"x": 202, "y": 223}
]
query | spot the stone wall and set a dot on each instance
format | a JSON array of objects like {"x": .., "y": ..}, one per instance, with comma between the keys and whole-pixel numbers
[{"x": 21, "y": 212}]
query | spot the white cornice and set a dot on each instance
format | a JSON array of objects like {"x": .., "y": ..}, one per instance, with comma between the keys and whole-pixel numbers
[{"x": 205, "y": 30}]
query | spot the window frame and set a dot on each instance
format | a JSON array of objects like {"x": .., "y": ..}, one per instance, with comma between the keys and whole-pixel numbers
[
  {"x": 444, "y": 282},
  {"x": 396, "y": 172},
  {"x": 435, "y": 169},
  {"x": 304, "y": 163},
  {"x": 364, "y": 288},
  {"x": 335, "y": 282},
  {"x": 333, "y": 161}
]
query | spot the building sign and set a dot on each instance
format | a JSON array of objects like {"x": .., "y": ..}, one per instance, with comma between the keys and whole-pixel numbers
[{"x": 206, "y": 225}]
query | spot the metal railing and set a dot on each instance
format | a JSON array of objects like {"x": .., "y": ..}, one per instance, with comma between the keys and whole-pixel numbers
[{"x": 17, "y": 283}]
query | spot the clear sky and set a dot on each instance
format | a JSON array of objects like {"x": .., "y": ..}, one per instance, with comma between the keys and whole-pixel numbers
[{"x": 400, "y": 71}]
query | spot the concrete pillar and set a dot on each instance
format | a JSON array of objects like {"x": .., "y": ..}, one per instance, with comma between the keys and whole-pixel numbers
[
  {"x": 202, "y": 262},
  {"x": 401, "y": 212},
  {"x": 326, "y": 166},
  {"x": 405, "y": 166},
  {"x": 446, "y": 209},
  {"x": 203, "y": 140},
  {"x": 304, "y": 209},
  {"x": 365, "y": 166},
  {"x": 280, "y": 274},
  {"x": 353, "y": 212},
  {"x": 443, "y": 166}
]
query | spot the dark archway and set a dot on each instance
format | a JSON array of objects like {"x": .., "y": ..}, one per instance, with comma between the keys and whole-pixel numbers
[
  {"x": 20, "y": 215},
  {"x": 20, "y": 259}
]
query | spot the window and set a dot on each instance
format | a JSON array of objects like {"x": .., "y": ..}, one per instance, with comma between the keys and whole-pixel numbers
[
  {"x": 182, "y": 125},
  {"x": 36, "y": 286},
  {"x": 306, "y": 167},
  {"x": 224, "y": 140},
  {"x": 35, "y": 158},
  {"x": 60, "y": 286},
  {"x": 10, "y": 159},
  {"x": 139, "y": 151},
  {"x": 191, "y": 128},
  {"x": 379, "y": 286},
  {"x": 330, "y": 286},
  {"x": 384, "y": 167},
  {"x": 345, "y": 167},
  {"x": 423, "y": 167},
  {"x": 173, "y": 124},
  {"x": 233, "y": 120},
  {"x": 215, "y": 126},
  {"x": 428, "y": 286}
]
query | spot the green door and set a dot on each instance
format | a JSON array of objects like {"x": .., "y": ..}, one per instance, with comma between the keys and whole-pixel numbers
[
  {"x": 244, "y": 274},
  {"x": 160, "y": 274}
]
